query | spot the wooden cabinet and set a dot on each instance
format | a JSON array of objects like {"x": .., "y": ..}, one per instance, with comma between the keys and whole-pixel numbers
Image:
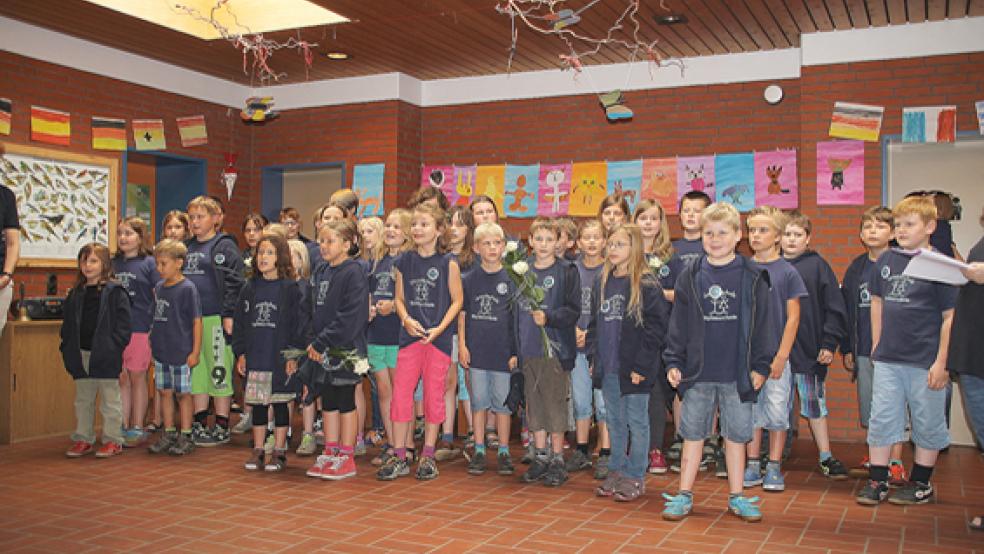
[{"x": 36, "y": 393}]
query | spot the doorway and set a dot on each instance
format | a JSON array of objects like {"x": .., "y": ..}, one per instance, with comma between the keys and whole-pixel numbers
[
  {"x": 304, "y": 186},
  {"x": 158, "y": 182}
]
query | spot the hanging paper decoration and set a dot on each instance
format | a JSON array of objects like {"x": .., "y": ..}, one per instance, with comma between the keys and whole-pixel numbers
[
  {"x": 229, "y": 174},
  {"x": 625, "y": 178},
  {"x": 840, "y": 173},
  {"x": 521, "y": 188},
  {"x": 929, "y": 124},
  {"x": 735, "y": 174},
  {"x": 980, "y": 115},
  {"x": 148, "y": 134},
  {"x": 589, "y": 185},
  {"x": 108, "y": 134},
  {"x": 555, "y": 189},
  {"x": 464, "y": 185},
  {"x": 659, "y": 182},
  {"x": 5, "y": 112},
  {"x": 490, "y": 181},
  {"x": 856, "y": 121},
  {"x": 50, "y": 126},
  {"x": 192, "y": 130},
  {"x": 696, "y": 173},
  {"x": 614, "y": 104},
  {"x": 367, "y": 183},
  {"x": 776, "y": 182},
  {"x": 259, "y": 109}
]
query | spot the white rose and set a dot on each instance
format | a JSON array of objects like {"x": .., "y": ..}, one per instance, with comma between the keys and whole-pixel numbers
[
  {"x": 655, "y": 262},
  {"x": 512, "y": 246},
  {"x": 361, "y": 366},
  {"x": 520, "y": 267}
]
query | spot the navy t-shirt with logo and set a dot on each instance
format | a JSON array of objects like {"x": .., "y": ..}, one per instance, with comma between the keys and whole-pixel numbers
[
  {"x": 488, "y": 317},
  {"x": 864, "y": 309},
  {"x": 530, "y": 337},
  {"x": 199, "y": 268},
  {"x": 262, "y": 317},
  {"x": 610, "y": 313},
  {"x": 176, "y": 308},
  {"x": 426, "y": 295},
  {"x": 588, "y": 276},
  {"x": 687, "y": 249},
  {"x": 383, "y": 329},
  {"x": 787, "y": 284},
  {"x": 138, "y": 275},
  {"x": 719, "y": 291},
  {"x": 912, "y": 312}
]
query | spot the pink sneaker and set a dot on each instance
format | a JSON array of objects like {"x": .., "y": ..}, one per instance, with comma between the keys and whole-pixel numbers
[
  {"x": 657, "y": 463},
  {"x": 322, "y": 464},
  {"x": 343, "y": 468},
  {"x": 109, "y": 450},
  {"x": 79, "y": 449}
]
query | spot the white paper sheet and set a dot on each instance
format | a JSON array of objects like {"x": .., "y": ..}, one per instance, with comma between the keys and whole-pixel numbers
[{"x": 933, "y": 266}]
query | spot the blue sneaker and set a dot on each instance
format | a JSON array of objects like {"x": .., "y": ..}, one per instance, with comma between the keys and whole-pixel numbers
[
  {"x": 677, "y": 507},
  {"x": 745, "y": 508},
  {"x": 773, "y": 479},
  {"x": 753, "y": 475}
]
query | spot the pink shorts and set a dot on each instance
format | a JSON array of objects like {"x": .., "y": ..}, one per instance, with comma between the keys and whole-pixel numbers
[
  {"x": 136, "y": 357},
  {"x": 411, "y": 362}
]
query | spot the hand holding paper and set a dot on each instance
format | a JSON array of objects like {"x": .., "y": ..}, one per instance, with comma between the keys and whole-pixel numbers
[{"x": 933, "y": 266}]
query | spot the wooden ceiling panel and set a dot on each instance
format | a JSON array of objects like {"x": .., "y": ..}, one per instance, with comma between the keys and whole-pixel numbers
[
  {"x": 731, "y": 23},
  {"x": 877, "y": 12},
  {"x": 975, "y": 8},
  {"x": 936, "y": 10},
  {"x": 896, "y": 12},
  {"x": 839, "y": 14},
  {"x": 818, "y": 12},
  {"x": 801, "y": 15},
  {"x": 858, "y": 11},
  {"x": 766, "y": 20},
  {"x": 699, "y": 15}
]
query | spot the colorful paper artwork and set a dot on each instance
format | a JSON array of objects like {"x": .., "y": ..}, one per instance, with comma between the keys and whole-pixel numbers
[
  {"x": 108, "y": 134},
  {"x": 696, "y": 173},
  {"x": 980, "y": 115},
  {"x": 856, "y": 121},
  {"x": 589, "y": 186},
  {"x": 437, "y": 176},
  {"x": 929, "y": 124},
  {"x": 840, "y": 173},
  {"x": 522, "y": 182},
  {"x": 192, "y": 130},
  {"x": 776, "y": 181},
  {"x": 490, "y": 181},
  {"x": 5, "y": 116},
  {"x": 625, "y": 178},
  {"x": 50, "y": 126},
  {"x": 148, "y": 134},
  {"x": 735, "y": 175},
  {"x": 555, "y": 189},
  {"x": 659, "y": 183},
  {"x": 367, "y": 183},
  {"x": 464, "y": 185}
]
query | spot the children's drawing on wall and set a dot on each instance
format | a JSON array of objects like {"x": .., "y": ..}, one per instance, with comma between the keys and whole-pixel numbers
[
  {"x": 776, "y": 182},
  {"x": 659, "y": 182},
  {"x": 840, "y": 173},
  {"x": 625, "y": 178},
  {"x": 735, "y": 175},
  {"x": 437, "y": 176},
  {"x": 521, "y": 190},
  {"x": 589, "y": 185},
  {"x": 464, "y": 185},
  {"x": 856, "y": 121},
  {"x": 695, "y": 173},
  {"x": 490, "y": 181},
  {"x": 367, "y": 183},
  {"x": 555, "y": 189},
  {"x": 929, "y": 124}
]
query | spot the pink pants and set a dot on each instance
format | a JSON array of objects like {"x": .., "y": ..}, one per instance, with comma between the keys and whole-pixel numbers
[{"x": 412, "y": 361}]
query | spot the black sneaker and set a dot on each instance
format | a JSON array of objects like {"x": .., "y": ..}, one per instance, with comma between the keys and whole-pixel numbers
[
  {"x": 506, "y": 466},
  {"x": 427, "y": 469},
  {"x": 255, "y": 461},
  {"x": 477, "y": 464},
  {"x": 833, "y": 469},
  {"x": 277, "y": 462},
  {"x": 675, "y": 450},
  {"x": 182, "y": 446},
  {"x": 202, "y": 436},
  {"x": 912, "y": 493},
  {"x": 164, "y": 443},
  {"x": 391, "y": 469},
  {"x": 221, "y": 435},
  {"x": 538, "y": 470},
  {"x": 874, "y": 493},
  {"x": 720, "y": 463},
  {"x": 556, "y": 473},
  {"x": 601, "y": 467},
  {"x": 578, "y": 461}
]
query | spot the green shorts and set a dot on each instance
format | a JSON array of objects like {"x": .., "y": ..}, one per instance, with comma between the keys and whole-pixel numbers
[
  {"x": 213, "y": 374},
  {"x": 382, "y": 356}
]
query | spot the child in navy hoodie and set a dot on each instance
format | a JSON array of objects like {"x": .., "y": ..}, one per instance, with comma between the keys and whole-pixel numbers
[{"x": 822, "y": 327}]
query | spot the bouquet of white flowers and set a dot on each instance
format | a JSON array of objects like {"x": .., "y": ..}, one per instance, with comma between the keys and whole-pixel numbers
[{"x": 518, "y": 270}]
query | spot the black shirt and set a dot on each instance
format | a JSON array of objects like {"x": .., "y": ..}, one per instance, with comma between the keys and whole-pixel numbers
[
  {"x": 90, "y": 316},
  {"x": 8, "y": 219}
]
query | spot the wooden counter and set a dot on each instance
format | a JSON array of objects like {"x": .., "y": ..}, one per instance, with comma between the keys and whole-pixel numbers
[{"x": 36, "y": 393}]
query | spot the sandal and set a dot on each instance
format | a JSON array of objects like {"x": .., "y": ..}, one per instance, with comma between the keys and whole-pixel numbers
[{"x": 977, "y": 524}]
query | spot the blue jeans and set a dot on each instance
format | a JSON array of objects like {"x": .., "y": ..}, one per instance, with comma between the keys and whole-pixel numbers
[
  {"x": 897, "y": 386},
  {"x": 973, "y": 395},
  {"x": 582, "y": 392},
  {"x": 627, "y": 417}
]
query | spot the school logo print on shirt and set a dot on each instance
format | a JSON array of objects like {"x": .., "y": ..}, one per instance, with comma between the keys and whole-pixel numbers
[
  {"x": 864, "y": 296},
  {"x": 613, "y": 307},
  {"x": 219, "y": 259},
  {"x": 486, "y": 302},
  {"x": 548, "y": 282},
  {"x": 502, "y": 288},
  {"x": 264, "y": 314},
  {"x": 720, "y": 304},
  {"x": 193, "y": 263},
  {"x": 585, "y": 300},
  {"x": 433, "y": 274},
  {"x": 322, "y": 292},
  {"x": 383, "y": 283},
  {"x": 161, "y": 307},
  {"x": 899, "y": 286},
  {"x": 125, "y": 277},
  {"x": 421, "y": 291}
]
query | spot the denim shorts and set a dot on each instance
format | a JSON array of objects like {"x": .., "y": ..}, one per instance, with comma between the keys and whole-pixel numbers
[
  {"x": 172, "y": 377},
  {"x": 896, "y": 387},
  {"x": 488, "y": 390},
  {"x": 703, "y": 400},
  {"x": 812, "y": 392},
  {"x": 582, "y": 392},
  {"x": 771, "y": 410}
]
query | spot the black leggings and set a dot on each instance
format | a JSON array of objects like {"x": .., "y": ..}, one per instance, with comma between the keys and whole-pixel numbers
[
  {"x": 281, "y": 415},
  {"x": 338, "y": 398},
  {"x": 659, "y": 397}
]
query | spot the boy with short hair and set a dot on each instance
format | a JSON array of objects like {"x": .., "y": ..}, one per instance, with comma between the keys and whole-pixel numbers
[
  {"x": 725, "y": 296},
  {"x": 486, "y": 320},
  {"x": 691, "y": 205},
  {"x": 215, "y": 267},
  {"x": 175, "y": 343},
  {"x": 822, "y": 326},
  {"x": 910, "y": 335},
  {"x": 547, "y": 368},
  {"x": 771, "y": 410},
  {"x": 568, "y": 238}
]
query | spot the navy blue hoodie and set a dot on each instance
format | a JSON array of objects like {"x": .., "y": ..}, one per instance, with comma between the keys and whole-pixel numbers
[
  {"x": 853, "y": 342},
  {"x": 563, "y": 301},
  {"x": 227, "y": 269},
  {"x": 111, "y": 336},
  {"x": 823, "y": 315}
]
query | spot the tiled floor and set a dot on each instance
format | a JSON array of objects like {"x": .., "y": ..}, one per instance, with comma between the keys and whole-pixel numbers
[{"x": 206, "y": 502}]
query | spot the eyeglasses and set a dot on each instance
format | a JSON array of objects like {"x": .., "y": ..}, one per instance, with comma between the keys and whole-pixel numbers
[
  {"x": 290, "y": 222},
  {"x": 618, "y": 245}
]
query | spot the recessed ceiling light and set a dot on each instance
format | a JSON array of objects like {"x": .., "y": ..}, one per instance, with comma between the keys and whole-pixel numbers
[
  {"x": 337, "y": 55},
  {"x": 671, "y": 19}
]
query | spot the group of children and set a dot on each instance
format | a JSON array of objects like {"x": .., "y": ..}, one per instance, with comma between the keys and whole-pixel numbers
[{"x": 621, "y": 327}]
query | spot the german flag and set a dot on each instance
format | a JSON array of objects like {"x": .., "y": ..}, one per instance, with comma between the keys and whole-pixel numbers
[
  {"x": 4, "y": 116},
  {"x": 108, "y": 134},
  {"x": 50, "y": 126},
  {"x": 192, "y": 130},
  {"x": 148, "y": 134}
]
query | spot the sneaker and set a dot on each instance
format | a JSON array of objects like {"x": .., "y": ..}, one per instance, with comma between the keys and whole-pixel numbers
[
  {"x": 427, "y": 469},
  {"x": 109, "y": 449},
  {"x": 861, "y": 471},
  {"x": 628, "y": 490},
  {"x": 164, "y": 443},
  {"x": 470, "y": 441},
  {"x": 446, "y": 451},
  {"x": 704, "y": 463},
  {"x": 277, "y": 462},
  {"x": 833, "y": 469},
  {"x": 897, "y": 476},
  {"x": 308, "y": 445},
  {"x": 607, "y": 487},
  {"x": 183, "y": 445},
  {"x": 556, "y": 473},
  {"x": 773, "y": 480},
  {"x": 529, "y": 455},
  {"x": 393, "y": 468},
  {"x": 342, "y": 468},
  {"x": 79, "y": 449},
  {"x": 133, "y": 437},
  {"x": 745, "y": 508},
  {"x": 578, "y": 461},
  {"x": 710, "y": 445},
  {"x": 538, "y": 470},
  {"x": 385, "y": 454},
  {"x": 360, "y": 448},
  {"x": 911, "y": 493},
  {"x": 720, "y": 464},
  {"x": 375, "y": 437},
  {"x": 753, "y": 475},
  {"x": 873, "y": 493},
  {"x": 418, "y": 429},
  {"x": 675, "y": 450},
  {"x": 677, "y": 507},
  {"x": 202, "y": 436},
  {"x": 255, "y": 461},
  {"x": 505, "y": 464},
  {"x": 269, "y": 443},
  {"x": 601, "y": 467},
  {"x": 221, "y": 435},
  {"x": 706, "y": 459},
  {"x": 244, "y": 425},
  {"x": 492, "y": 440},
  {"x": 321, "y": 464},
  {"x": 477, "y": 464},
  {"x": 657, "y": 462}
]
